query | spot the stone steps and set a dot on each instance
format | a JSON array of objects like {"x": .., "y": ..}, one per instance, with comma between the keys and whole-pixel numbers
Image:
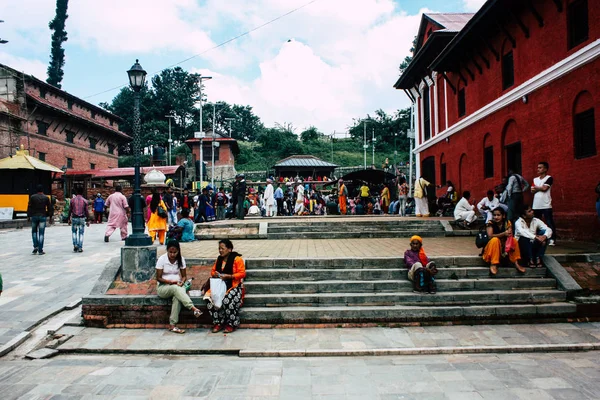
[
  {"x": 404, "y": 298},
  {"x": 403, "y": 313},
  {"x": 393, "y": 285},
  {"x": 307, "y": 274},
  {"x": 351, "y": 235}
]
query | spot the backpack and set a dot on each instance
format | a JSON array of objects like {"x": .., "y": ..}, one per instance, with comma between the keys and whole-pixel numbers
[{"x": 482, "y": 238}]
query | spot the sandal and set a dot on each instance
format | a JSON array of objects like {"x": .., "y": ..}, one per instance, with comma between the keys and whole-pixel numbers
[
  {"x": 176, "y": 330},
  {"x": 539, "y": 263},
  {"x": 532, "y": 264},
  {"x": 493, "y": 270}
]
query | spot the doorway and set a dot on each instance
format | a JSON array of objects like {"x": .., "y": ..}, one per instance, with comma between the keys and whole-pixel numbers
[{"x": 513, "y": 157}]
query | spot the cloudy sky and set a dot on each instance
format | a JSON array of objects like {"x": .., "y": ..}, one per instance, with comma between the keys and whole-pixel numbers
[{"x": 328, "y": 62}]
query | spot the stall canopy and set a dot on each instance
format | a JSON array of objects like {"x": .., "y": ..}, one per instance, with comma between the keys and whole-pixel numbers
[
  {"x": 371, "y": 176},
  {"x": 22, "y": 160}
]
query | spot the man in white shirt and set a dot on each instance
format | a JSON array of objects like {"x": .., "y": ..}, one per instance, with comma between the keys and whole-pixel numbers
[
  {"x": 464, "y": 210},
  {"x": 487, "y": 205},
  {"x": 542, "y": 198},
  {"x": 269, "y": 198}
]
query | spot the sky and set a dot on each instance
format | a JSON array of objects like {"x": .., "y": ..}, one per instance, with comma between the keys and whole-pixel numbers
[{"x": 322, "y": 65}]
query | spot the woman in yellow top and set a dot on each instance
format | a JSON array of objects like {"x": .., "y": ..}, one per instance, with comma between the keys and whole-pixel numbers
[
  {"x": 385, "y": 199},
  {"x": 230, "y": 268},
  {"x": 156, "y": 223}
]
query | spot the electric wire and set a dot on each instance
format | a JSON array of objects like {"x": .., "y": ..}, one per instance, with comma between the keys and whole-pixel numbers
[{"x": 216, "y": 46}]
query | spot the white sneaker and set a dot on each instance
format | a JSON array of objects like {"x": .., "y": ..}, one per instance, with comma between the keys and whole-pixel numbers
[{"x": 551, "y": 243}]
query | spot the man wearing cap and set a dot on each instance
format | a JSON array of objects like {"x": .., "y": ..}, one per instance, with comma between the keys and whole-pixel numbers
[
  {"x": 269, "y": 198},
  {"x": 342, "y": 196},
  {"x": 98, "y": 208},
  {"x": 240, "y": 196}
]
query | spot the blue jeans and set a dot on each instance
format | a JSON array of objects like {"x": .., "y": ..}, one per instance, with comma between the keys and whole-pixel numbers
[
  {"x": 598, "y": 209},
  {"x": 549, "y": 219},
  {"x": 38, "y": 226},
  {"x": 531, "y": 249},
  {"x": 77, "y": 231}
]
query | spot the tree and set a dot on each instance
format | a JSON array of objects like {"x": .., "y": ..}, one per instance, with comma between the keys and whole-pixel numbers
[
  {"x": 57, "y": 53},
  {"x": 311, "y": 134},
  {"x": 408, "y": 59}
]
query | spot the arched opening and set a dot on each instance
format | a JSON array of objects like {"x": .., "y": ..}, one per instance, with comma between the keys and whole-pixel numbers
[
  {"x": 488, "y": 156},
  {"x": 428, "y": 172},
  {"x": 511, "y": 148},
  {"x": 584, "y": 126}
]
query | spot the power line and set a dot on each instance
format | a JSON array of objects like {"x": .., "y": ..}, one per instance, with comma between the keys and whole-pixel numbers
[{"x": 215, "y": 47}]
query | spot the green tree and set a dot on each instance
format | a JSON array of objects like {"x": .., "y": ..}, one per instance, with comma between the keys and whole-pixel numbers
[
  {"x": 311, "y": 134},
  {"x": 408, "y": 59},
  {"x": 59, "y": 36}
]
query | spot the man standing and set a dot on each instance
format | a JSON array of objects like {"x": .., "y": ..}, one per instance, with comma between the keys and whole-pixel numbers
[
  {"x": 38, "y": 210},
  {"x": 421, "y": 205},
  {"x": 487, "y": 205},
  {"x": 343, "y": 197},
  {"x": 221, "y": 203},
  {"x": 98, "y": 208},
  {"x": 515, "y": 187},
  {"x": 465, "y": 211},
  {"x": 542, "y": 198},
  {"x": 269, "y": 198},
  {"x": 78, "y": 219},
  {"x": 171, "y": 211},
  {"x": 117, "y": 217},
  {"x": 278, "y": 195},
  {"x": 365, "y": 193},
  {"x": 240, "y": 212}
]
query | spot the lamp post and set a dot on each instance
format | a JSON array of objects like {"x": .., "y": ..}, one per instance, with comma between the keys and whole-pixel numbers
[
  {"x": 137, "y": 77},
  {"x": 229, "y": 120},
  {"x": 170, "y": 140},
  {"x": 373, "y": 140},
  {"x": 395, "y": 152},
  {"x": 200, "y": 135},
  {"x": 212, "y": 148}
]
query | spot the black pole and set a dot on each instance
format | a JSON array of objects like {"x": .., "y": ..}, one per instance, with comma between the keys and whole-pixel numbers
[{"x": 138, "y": 237}]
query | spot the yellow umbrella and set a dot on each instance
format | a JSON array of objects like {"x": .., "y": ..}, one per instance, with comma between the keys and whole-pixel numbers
[{"x": 22, "y": 160}]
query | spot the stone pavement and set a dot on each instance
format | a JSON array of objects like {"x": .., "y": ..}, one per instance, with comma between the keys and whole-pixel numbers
[
  {"x": 338, "y": 341},
  {"x": 35, "y": 286},
  {"x": 556, "y": 376}
]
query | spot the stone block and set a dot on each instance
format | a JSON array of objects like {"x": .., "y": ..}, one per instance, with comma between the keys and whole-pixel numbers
[
  {"x": 138, "y": 263},
  {"x": 41, "y": 353}
]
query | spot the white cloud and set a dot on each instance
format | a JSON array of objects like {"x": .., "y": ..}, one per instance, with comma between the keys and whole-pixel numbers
[
  {"x": 473, "y": 5},
  {"x": 29, "y": 66}
]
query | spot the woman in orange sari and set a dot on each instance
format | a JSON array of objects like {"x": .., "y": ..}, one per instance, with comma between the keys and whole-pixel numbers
[
  {"x": 500, "y": 230},
  {"x": 229, "y": 267}
]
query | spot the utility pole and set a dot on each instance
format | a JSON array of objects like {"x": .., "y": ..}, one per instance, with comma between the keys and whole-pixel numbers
[
  {"x": 373, "y": 140},
  {"x": 212, "y": 147},
  {"x": 200, "y": 135},
  {"x": 229, "y": 120},
  {"x": 365, "y": 143},
  {"x": 332, "y": 136},
  {"x": 170, "y": 117}
]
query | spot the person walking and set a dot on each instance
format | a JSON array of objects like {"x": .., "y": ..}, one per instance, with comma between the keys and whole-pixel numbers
[
  {"x": 98, "y": 208},
  {"x": 157, "y": 223},
  {"x": 78, "y": 219},
  {"x": 117, "y": 217},
  {"x": 421, "y": 205},
  {"x": 38, "y": 211},
  {"x": 542, "y": 198},
  {"x": 343, "y": 197}
]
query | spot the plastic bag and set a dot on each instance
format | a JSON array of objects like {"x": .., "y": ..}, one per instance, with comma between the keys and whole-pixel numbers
[
  {"x": 218, "y": 288},
  {"x": 510, "y": 244}
]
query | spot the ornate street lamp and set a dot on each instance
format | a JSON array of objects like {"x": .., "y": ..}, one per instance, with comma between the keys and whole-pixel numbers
[{"x": 137, "y": 77}]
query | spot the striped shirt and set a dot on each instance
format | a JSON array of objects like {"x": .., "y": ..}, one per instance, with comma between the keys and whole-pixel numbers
[{"x": 79, "y": 207}]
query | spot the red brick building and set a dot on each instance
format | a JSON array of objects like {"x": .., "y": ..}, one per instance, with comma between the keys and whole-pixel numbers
[
  {"x": 225, "y": 150},
  {"x": 510, "y": 86},
  {"x": 55, "y": 126}
]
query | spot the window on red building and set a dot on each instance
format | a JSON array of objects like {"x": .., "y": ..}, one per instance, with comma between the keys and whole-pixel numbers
[
  {"x": 508, "y": 70},
  {"x": 513, "y": 157},
  {"x": 111, "y": 148},
  {"x": 585, "y": 134},
  {"x": 70, "y": 137},
  {"x": 426, "y": 114},
  {"x": 41, "y": 156},
  {"x": 93, "y": 143},
  {"x": 488, "y": 162},
  {"x": 92, "y": 166},
  {"x": 207, "y": 153},
  {"x": 443, "y": 172},
  {"x": 577, "y": 20},
  {"x": 42, "y": 128},
  {"x": 69, "y": 162},
  {"x": 462, "y": 103}
]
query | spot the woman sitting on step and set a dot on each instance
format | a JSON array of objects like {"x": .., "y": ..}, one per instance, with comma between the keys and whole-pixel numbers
[
  {"x": 500, "y": 231},
  {"x": 230, "y": 268},
  {"x": 171, "y": 275},
  {"x": 421, "y": 270}
]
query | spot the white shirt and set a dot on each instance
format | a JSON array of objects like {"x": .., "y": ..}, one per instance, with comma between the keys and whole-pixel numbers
[
  {"x": 542, "y": 200},
  {"x": 170, "y": 271},
  {"x": 268, "y": 195},
  {"x": 462, "y": 206},
  {"x": 491, "y": 204},
  {"x": 521, "y": 229}
]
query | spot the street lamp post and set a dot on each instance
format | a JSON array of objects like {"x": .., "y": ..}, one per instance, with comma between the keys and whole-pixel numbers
[
  {"x": 170, "y": 117},
  {"x": 365, "y": 143},
  {"x": 373, "y": 140},
  {"x": 395, "y": 152},
  {"x": 137, "y": 77},
  {"x": 212, "y": 148}
]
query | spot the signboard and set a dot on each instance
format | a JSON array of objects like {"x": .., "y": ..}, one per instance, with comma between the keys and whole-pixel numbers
[
  {"x": 198, "y": 135},
  {"x": 6, "y": 213}
]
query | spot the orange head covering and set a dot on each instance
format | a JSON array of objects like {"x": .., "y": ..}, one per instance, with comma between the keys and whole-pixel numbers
[{"x": 422, "y": 255}]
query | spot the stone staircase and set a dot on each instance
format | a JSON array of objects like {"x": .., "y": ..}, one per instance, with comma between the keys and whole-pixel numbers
[
  {"x": 303, "y": 291},
  {"x": 362, "y": 228}
]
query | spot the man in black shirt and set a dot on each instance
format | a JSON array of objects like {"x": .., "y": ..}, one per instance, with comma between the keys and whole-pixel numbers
[{"x": 38, "y": 210}]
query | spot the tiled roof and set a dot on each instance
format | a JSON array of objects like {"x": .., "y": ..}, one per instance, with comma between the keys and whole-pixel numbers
[
  {"x": 303, "y": 161},
  {"x": 451, "y": 21}
]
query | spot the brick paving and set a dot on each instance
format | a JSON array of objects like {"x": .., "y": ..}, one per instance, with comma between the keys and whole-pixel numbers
[{"x": 587, "y": 275}]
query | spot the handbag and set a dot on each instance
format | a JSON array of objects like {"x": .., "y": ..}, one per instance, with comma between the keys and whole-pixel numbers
[
  {"x": 161, "y": 212},
  {"x": 218, "y": 288},
  {"x": 482, "y": 238}
]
